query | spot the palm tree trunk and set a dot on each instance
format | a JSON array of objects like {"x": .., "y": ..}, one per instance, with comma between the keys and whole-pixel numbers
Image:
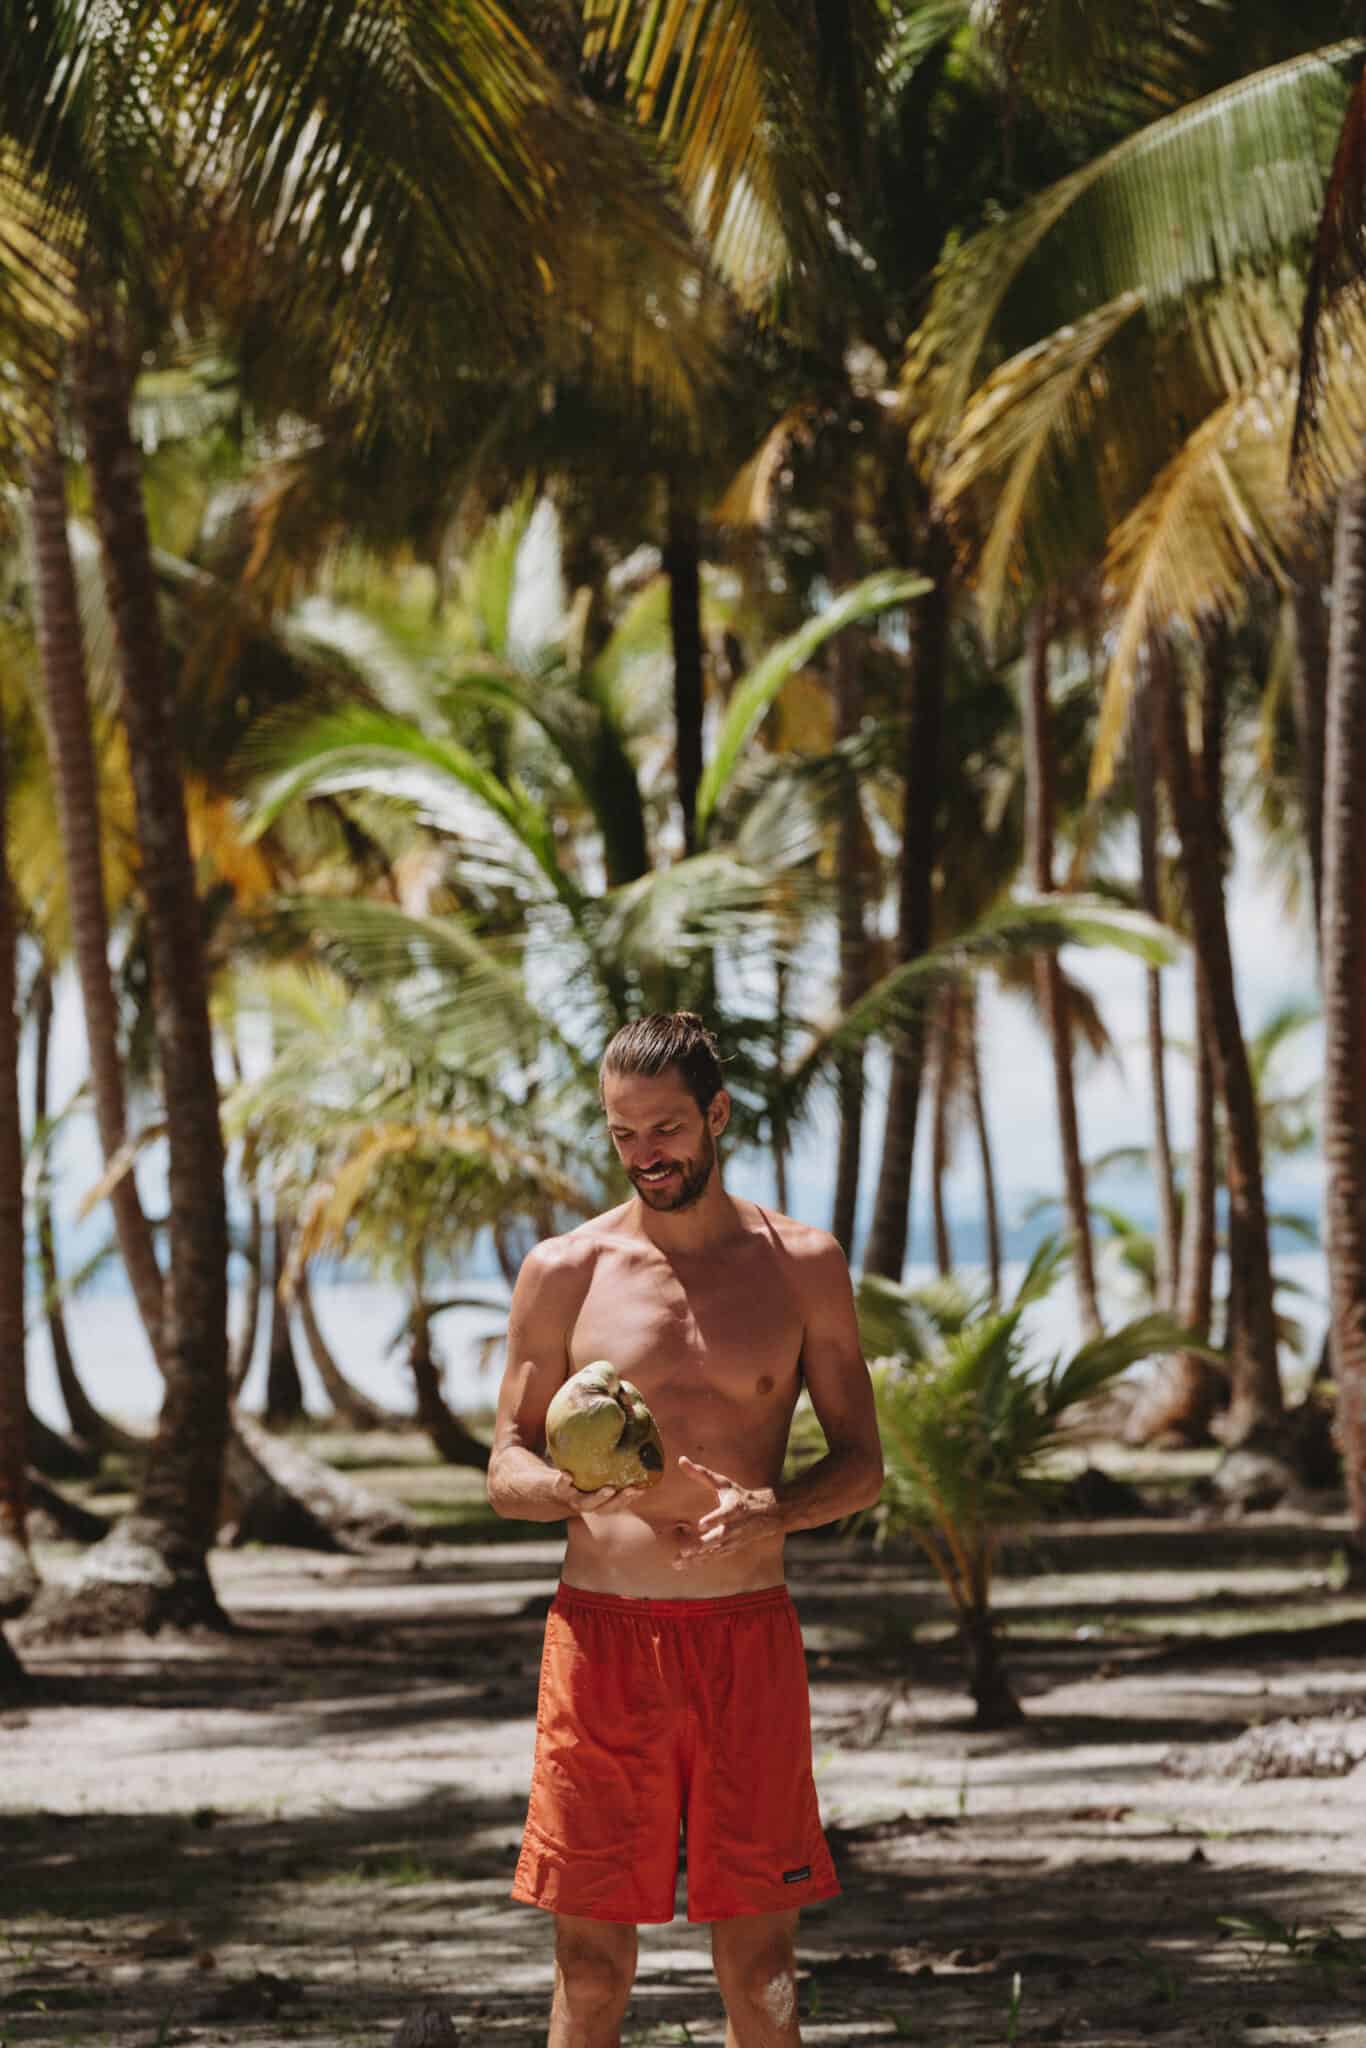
[
  {"x": 66, "y": 715},
  {"x": 18, "y": 1578},
  {"x": 1188, "y": 1390},
  {"x": 349, "y": 1403},
  {"x": 922, "y": 743},
  {"x": 244, "y": 1345},
  {"x": 991, "y": 1210},
  {"x": 944, "y": 1024},
  {"x": 1344, "y": 996},
  {"x": 1310, "y": 700},
  {"x": 55, "y": 1456},
  {"x": 157, "y": 1562},
  {"x": 88, "y": 1424},
  {"x": 850, "y": 886},
  {"x": 1195, "y": 1302},
  {"x": 284, "y": 1389},
  {"x": 779, "y": 1115},
  {"x": 12, "y": 1675},
  {"x": 988, "y": 1679},
  {"x": 456, "y": 1444},
  {"x": 1048, "y": 976},
  {"x": 1254, "y": 1377},
  {"x": 683, "y": 566},
  {"x": 1150, "y": 895}
]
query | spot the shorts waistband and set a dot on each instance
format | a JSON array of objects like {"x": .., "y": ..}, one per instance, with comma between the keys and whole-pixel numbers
[{"x": 569, "y": 1597}]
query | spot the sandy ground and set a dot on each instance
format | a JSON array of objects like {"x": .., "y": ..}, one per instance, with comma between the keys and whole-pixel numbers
[{"x": 305, "y": 1833}]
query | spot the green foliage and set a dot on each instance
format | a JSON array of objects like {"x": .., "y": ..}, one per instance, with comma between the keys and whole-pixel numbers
[{"x": 969, "y": 1418}]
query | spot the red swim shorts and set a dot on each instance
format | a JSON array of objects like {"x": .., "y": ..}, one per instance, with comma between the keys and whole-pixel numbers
[{"x": 660, "y": 1714}]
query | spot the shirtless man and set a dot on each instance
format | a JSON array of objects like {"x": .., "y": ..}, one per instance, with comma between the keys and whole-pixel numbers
[{"x": 673, "y": 1686}]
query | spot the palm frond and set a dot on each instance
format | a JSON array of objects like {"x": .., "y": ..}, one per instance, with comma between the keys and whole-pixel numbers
[
  {"x": 740, "y": 96},
  {"x": 1105, "y": 1357},
  {"x": 327, "y": 1214},
  {"x": 1040, "y": 1276},
  {"x": 1016, "y": 927},
  {"x": 1196, "y": 201},
  {"x": 1222, "y": 510},
  {"x": 1028, "y": 417},
  {"x": 359, "y": 749},
  {"x": 465, "y": 997},
  {"x": 753, "y": 696}
]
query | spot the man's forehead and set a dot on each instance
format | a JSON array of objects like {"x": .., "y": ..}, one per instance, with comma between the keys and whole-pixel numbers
[{"x": 637, "y": 1097}]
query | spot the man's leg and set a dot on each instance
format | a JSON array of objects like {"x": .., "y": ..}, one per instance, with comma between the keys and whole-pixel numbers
[
  {"x": 595, "y": 1967},
  {"x": 756, "y": 1967}
]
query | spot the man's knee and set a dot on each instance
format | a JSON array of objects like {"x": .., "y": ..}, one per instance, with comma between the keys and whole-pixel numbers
[
  {"x": 758, "y": 1968},
  {"x": 595, "y": 1962}
]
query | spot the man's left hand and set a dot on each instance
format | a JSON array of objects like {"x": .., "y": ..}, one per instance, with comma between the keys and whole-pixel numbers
[{"x": 742, "y": 1515}]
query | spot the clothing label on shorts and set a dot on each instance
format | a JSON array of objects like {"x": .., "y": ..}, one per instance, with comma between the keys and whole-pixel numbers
[{"x": 797, "y": 1876}]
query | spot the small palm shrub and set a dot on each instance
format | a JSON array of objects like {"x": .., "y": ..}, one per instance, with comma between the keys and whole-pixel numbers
[{"x": 969, "y": 1419}]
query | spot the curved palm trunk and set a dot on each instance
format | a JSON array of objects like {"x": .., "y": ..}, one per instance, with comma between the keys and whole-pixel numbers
[
  {"x": 850, "y": 889},
  {"x": 1145, "y": 808},
  {"x": 349, "y": 1403},
  {"x": 1255, "y": 1379},
  {"x": 922, "y": 742},
  {"x": 1344, "y": 995},
  {"x": 152, "y": 1570},
  {"x": 991, "y": 1209},
  {"x": 1048, "y": 976},
  {"x": 12, "y": 1675},
  {"x": 66, "y": 717},
  {"x": 18, "y": 1578},
  {"x": 88, "y": 1423},
  {"x": 683, "y": 567},
  {"x": 284, "y": 1389},
  {"x": 244, "y": 1344},
  {"x": 456, "y": 1444},
  {"x": 55, "y": 1456}
]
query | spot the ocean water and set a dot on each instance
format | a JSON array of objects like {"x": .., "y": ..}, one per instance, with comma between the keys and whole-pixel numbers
[
  {"x": 362, "y": 1319},
  {"x": 359, "y": 1319}
]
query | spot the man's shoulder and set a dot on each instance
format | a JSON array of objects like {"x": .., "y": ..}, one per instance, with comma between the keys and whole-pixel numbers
[
  {"x": 573, "y": 1254},
  {"x": 805, "y": 1243}
]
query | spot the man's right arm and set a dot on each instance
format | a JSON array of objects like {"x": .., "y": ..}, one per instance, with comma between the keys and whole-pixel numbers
[{"x": 545, "y": 1302}]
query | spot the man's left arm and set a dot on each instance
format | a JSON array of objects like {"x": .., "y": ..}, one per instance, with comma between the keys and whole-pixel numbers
[{"x": 849, "y": 1476}]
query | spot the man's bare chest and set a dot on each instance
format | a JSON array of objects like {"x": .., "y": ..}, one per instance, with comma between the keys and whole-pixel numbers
[{"x": 733, "y": 1325}]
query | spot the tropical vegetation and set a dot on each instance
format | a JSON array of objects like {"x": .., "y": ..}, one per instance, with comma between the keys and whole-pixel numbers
[{"x": 510, "y": 519}]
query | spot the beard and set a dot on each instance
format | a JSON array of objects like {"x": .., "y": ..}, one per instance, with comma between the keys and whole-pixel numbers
[{"x": 688, "y": 1187}]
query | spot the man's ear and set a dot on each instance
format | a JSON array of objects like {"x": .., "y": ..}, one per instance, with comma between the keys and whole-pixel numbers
[{"x": 718, "y": 1112}]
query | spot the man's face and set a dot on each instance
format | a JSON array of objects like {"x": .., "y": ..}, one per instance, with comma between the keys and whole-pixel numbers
[{"x": 664, "y": 1141}]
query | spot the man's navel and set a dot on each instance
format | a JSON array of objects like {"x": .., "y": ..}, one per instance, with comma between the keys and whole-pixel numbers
[{"x": 765, "y": 1385}]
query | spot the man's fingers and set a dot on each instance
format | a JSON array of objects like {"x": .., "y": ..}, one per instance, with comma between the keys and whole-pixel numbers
[{"x": 715, "y": 1480}]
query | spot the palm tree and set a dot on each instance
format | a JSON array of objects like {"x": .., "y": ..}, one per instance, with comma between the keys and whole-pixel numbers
[
  {"x": 1048, "y": 969},
  {"x": 66, "y": 708},
  {"x": 1141, "y": 755},
  {"x": 133, "y": 99},
  {"x": 1182, "y": 346},
  {"x": 922, "y": 730},
  {"x": 1256, "y": 1387},
  {"x": 968, "y": 1430},
  {"x": 18, "y": 1578},
  {"x": 1344, "y": 996}
]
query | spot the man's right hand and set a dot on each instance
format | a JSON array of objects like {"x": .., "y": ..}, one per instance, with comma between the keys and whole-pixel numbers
[{"x": 605, "y": 1500}]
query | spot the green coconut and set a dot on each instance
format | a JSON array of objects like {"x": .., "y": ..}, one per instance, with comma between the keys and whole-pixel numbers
[{"x": 599, "y": 1431}]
